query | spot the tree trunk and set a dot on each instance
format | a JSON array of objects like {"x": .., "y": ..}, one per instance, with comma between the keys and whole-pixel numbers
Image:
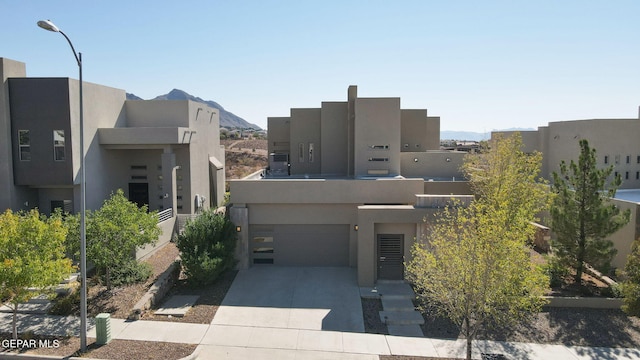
[
  {"x": 467, "y": 335},
  {"x": 107, "y": 275},
  {"x": 580, "y": 257}
]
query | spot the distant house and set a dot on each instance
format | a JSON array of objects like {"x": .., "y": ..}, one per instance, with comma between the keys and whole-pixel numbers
[
  {"x": 348, "y": 184},
  {"x": 616, "y": 143},
  {"x": 165, "y": 154}
]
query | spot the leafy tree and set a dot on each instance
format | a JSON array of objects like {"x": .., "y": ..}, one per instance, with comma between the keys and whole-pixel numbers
[
  {"x": 582, "y": 214},
  {"x": 115, "y": 231},
  {"x": 474, "y": 265},
  {"x": 32, "y": 257},
  {"x": 631, "y": 283},
  {"x": 207, "y": 247}
]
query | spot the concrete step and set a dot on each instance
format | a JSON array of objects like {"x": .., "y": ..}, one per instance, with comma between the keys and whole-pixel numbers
[
  {"x": 403, "y": 304},
  {"x": 395, "y": 290},
  {"x": 401, "y": 317},
  {"x": 405, "y": 330},
  {"x": 383, "y": 281},
  {"x": 40, "y": 299}
]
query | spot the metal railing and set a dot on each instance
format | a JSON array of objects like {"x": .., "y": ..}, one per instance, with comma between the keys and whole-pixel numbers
[{"x": 165, "y": 215}]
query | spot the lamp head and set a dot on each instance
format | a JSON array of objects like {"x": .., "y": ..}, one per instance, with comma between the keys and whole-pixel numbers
[{"x": 48, "y": 25}]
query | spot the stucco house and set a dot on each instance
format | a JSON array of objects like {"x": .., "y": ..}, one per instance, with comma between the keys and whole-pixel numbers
[
  {"x": 616, "y": 143},
  {"x": 348, "y": 184},
  {"x": 164, "y": 153}
]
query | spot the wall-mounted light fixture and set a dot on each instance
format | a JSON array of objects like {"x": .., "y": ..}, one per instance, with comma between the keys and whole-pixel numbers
[
  {"x": 448, "y": 159},
  {"x": 238, "y": 228},
  {"x": 355, "y": 227},
  {"x": 415, "y": 159}
]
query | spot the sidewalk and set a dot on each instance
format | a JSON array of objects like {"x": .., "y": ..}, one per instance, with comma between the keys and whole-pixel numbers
[{"x": 247, "y": 342}]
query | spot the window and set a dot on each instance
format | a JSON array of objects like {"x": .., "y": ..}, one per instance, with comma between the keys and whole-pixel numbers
[
  {"x": 24, "y": 144},
  {"x": 382, "y": 147},
  {"x": 638, "y": 159},
  {"x": 628, "y": 159},
  {"x": 310, "y": 152},
  {"x": 637, "y": 175},
  {"x": 58, "y": 145},
  {"x": 615, "y": 174},
  {"x": 301, "y": 152},
  {"x": 138, "y": 167},
  {"x": 626, "y": 175},
  {"x": 606, "y": 159},
  {"x": 379, "y": 159}
]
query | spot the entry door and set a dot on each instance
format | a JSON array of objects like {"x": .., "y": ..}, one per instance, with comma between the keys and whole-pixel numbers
[
  {"x": 139, "y": 193},
  {"x": 390, "y": 256}
]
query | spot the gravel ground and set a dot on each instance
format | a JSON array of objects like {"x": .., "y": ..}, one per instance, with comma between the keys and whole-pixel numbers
[{"x": 566, "y": 326}]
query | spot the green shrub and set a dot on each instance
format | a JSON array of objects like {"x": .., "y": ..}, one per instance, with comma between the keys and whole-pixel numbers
[
  {"x": 130, "y": 272},
  {"x": 66, "y": 304},
  {"x": 630, "y": 286},
  {"x": 556, "y": 271},
  {"x": 612, "y": 291},
  {"x": 207, "y": 247}
]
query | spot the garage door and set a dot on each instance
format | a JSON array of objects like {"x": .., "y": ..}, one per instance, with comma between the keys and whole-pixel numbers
[{"x": 301, "y": 245}]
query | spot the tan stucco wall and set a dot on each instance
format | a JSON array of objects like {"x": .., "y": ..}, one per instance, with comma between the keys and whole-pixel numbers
[
  {"x": 321, "y": 191},
  {"x": 157, "y": 113},
  {"x": 615, "y": 138},
  {"x": 433, "y": 133},
  {"x": 447, "y": 188},
  {"x": 377, "y": 122},
  {"x": 103, "y": 107},
  {"x": 432, "y": 164},
  {"x": 334, "y": 144},
  {"x": 279, "y": 128},
  {"x": 413, "y": 130},
  {"x": 304, "y": 133},
  {"x": 623, "y": 238}
]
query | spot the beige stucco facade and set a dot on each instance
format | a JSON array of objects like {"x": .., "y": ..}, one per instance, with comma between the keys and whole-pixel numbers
[
  {"x": 165, "y": 154},
  {"x": 358, "y": 170}
]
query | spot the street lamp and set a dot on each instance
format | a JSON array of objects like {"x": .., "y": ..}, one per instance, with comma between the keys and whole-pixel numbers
[{"x": 48, "y": 25}]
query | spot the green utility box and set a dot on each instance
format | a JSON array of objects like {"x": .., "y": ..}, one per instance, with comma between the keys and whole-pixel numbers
[{"x": 103, "y": 329}]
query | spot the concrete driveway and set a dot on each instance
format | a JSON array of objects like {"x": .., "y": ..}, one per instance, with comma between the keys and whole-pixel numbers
[{"x": 311, "y": 298}]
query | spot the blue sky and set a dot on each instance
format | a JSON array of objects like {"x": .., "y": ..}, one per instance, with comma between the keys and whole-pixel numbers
[{"x": 479, "y": 65}]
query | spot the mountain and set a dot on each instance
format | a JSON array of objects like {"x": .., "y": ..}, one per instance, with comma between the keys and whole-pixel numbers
[
  {"x": 227, "y": 119},
  {"x": 463, "y": 135},
  {"x": 133, "y": 97},
  {"x": 470, "y": 135}
]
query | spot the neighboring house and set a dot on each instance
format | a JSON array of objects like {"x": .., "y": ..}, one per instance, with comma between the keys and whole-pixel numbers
[
  {"x": 616, "y": 143},
  {"x": 348, "y": 184},
  {"x": 163, "y": 153}
]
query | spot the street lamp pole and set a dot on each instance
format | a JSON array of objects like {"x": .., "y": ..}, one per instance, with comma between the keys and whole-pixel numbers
[{"x": 48, "y": 25}]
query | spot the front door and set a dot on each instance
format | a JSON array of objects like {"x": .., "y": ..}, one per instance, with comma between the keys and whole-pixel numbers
[
  {"x": 390, "y": 256},
  {"x": 139, "y": 193}
]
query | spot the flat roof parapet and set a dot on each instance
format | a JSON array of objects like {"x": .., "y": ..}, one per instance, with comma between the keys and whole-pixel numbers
[{"x": 442, "y": 201}]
